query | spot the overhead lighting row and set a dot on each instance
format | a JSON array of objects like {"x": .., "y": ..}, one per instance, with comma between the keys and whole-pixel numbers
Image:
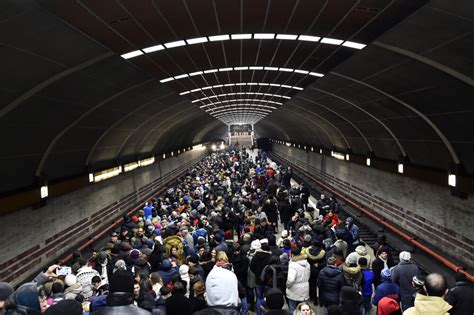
[
  {"x": 243, "y": 109},
  {"x": 242, "y": 100},
  {"x": 240, "y": 105},
  {"x": 224, "y": 37},
  {"x": 242, "y": 84},
  {"x": 240, "y": 93},
  {"x": 242, "y": 68}
]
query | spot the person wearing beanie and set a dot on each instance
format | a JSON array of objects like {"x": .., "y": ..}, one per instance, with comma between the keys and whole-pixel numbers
[
  {"x": 461, "y": 296},
  {"x": 66, "y": 307},
  {"x": 386, "y": 288},
  {"x": 257, "y": 264},
  {"x": 6, "y": 289},
  {"x": 120, "y": 298},
  {"x": 388, "y": 306},
  {"x": 366, "y": 286},
  {"x": 433, "y": 302},
  {"x": 402, "y": 275},
  {"x": 297, "y": 283}
]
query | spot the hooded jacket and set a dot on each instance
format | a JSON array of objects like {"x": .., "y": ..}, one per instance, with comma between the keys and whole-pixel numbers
[
  {"x": 330, "y": 284},
  {"x": 460, "y": 297},
  {"x": 432, "y": 305},
  {"x": 386, "y": 289},
  {"x": 402, "y": 274},
  {"x": 297, "y": 283},
  {"x": 166, "y": 271},
  {"x": 120, "y": 303},
  {"x": 259, "y": 261},
  {"x": 352, "y": 275}
]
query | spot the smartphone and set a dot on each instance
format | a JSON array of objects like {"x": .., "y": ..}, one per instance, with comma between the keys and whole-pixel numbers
[{"x": 63, "y": 271}]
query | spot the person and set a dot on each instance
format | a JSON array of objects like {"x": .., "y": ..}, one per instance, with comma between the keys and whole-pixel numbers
[
  {"x": 84, "y": 277},
  {"x": 297, "y": 283},
  {"x": 257, "y": 264},
  {"x": 6, "y": 289},
  {"x": 303, "y": 309},
  {"x": 198, "y": 300},
  {"x": 402, "y": 275},
  {"x": 222, "y": 293},
  {"x": 178, "y": 303},
  {"x": 380, "y": 263},
  {"x": 366, "y": 286},
  {"x": 69, "y": 307},
  {"x": 349, "y": 301},
  {"x": 388, "y": 306},
  {"x": 274, "y": 302},
  {"x": 330, "y": 283},
  {"x": 386, "y": 288},
  {"x": 120, "y": 298},
  {"x": 433, "y": 303},
  {"x": 354, "y": 230},
  {"x": 461, "y": 296}
]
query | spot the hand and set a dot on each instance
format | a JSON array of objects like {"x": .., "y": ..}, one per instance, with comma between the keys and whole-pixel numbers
[{"x": 50, "y": 273}]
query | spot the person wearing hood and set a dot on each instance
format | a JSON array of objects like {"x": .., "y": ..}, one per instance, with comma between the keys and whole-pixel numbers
[
  {"x": 121, "y": 296},
  {"x": 386, "y": 289},
  {"x": 257, "y": 264},
  {"x": 330, "y": 283},
  {"x": 388, "y": 306},
  {"x": 184, "y": 275},
  {"x": 361, "y": 251},
  {"x": 24, "y": 300},
  {"x": 354, "y": 230},
  {"x": 402, "y": 274},
  {"x": 433, "y": 302},
  {"x": 316, "y": 258},
  {"x": 352, "y": 272},
  {"x": 297, "y": 283},
  {"x": 167, "y": 271},
  {"x": 461, "y": 296}
]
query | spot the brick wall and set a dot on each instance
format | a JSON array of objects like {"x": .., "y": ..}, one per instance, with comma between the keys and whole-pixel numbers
[
  {"x": 427, "y": 211},
  {"x": 31, "y": 238}
]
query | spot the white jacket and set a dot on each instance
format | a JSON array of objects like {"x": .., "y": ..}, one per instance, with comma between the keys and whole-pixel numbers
[{"x": 297, "y": 283}]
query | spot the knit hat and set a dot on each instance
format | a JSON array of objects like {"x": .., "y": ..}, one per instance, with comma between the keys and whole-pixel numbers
[
  {"x": 120, "y": 265},
  {"x": 70, "y": 280},
  {"x": 6, "y": 289},
  {"x": 265, "y": 246},
  {"x": 405, "y": 256},
  {"x": 387, "y": 306},
  {"x": 135, "y": 254},
  {"x": 274, "y": 299},
  {"x": 65, "y": 307},
  {"x": 284, "y": 234},
  {"x": 255, "y": 245},
  {"x": 307, "y": 238},
  {"x": 284, "y": 259},
  {"x": 351, "y": 260},
  {"x": 386, "y": 273},
  {"x": 121, "y": 281},
  {"x": 183, "y": 269}
]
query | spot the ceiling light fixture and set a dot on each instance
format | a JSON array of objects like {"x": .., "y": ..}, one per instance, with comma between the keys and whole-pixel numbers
[
  {"x": 153, "y": 48},
  {"x": 286, "y": 36},
  {"x": 353, "y": 45},
  {"x": 331, "y": 41},
  {"x": 241, "y": 36},
  {"x": 197, "y": 40},
  {"x": 192, "y": 74},
  {"x": 307, "y": 38},
  {"x": 263, "y": 36},
  {"x": 177, "y": 43},
  {"x": 132, "y": 54},
  {"x": 219, "y": 38},
  {"x": 166, "y": 80}
]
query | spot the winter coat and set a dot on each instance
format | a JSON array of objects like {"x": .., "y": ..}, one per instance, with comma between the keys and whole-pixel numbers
[
  {"x": 367, "y": 281},
  {"x": 330, "y": 284},
  {"x": 270, "y": 209},
  {"x": 259, "y": 261},
  {"x": 285, "y": 210},
  {"x": 166, "y": 271},
  {"x": 402, "y": 274},
  {"x": 198, "y": 303},
  {"x": 377, "y": 267},
  {"x": 297, "y": 283},
  {"x": 352, "y": 276},
  {"x": 178, "y": 304},
  {"x": 120, "y": 303},
  {"x": 432, "y": 305},
  {"x": 218, "y": 311},
  {"x": 461, "y": 298},
  {"x": 84, "y": 277},
  {"x": 386, "y": 289},
  {"x": 241, "y": 265},
  {"x": 73, "y": 291}
]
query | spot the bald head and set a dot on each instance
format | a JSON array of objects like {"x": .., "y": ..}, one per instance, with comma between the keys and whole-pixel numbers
[{"x": 435, "y": 285}]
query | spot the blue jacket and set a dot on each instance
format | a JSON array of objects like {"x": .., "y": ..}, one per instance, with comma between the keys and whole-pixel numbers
[
  {"x": 367, "y": 281},
  {"x": 166, "y": 271},
  {"x": 386, "y": 289}
]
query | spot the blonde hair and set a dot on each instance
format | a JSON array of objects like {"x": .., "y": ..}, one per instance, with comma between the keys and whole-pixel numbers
[{"x": 222, "y": 256}]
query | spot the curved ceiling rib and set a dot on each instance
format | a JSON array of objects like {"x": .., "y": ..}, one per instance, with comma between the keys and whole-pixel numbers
[
  {"x": 124, "y": 142},
  {"x": 46, "y": 153},
  {"x": 435, "y": 128},
  {"x": 25, "y": 96},
  {"x": 343, "y": 118},
  {"x": 399, "y": 145}
]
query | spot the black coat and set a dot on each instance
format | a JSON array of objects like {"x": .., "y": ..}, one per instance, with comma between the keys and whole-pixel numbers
[
  {"x": 377, "y": 267},
  {"x": 241, "y": 265},
  {"x": 178, "y": 304},
  {"x": 330, "y": 284},
  {"x": 259, "y": 261},
  {"x": 285, "y": 210},
  {"x": 461, "y": 297}
]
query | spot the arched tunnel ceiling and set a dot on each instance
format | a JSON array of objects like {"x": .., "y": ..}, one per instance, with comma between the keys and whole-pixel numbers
[{"x": 70, "y": 103}]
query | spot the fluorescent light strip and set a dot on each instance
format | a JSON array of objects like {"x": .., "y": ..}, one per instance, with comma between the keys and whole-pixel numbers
[
  {"x": 192, "y": 74},
  {"x": 197, "y": 40},
  {"x": 240, "y": 105},
  {"x": 241, "y": 36},
  {"x": 241, "y": 68},
  {"x": 219, "y": 38},
  {"x": 286, "y": 36},
  {"x": 182, "y": 76},
  {"x": 248, "y": 93},
  {"x": 177, "y": 43},
  {"x": 167, "y": 80},
  {"x": 238, "y": 100},
  {"x": 263, "y": 36},
  {"x": 316, "y": 74},
  {"x": 132, "y": 54},
  {"x": 307, "y": 38},
  {"x": 240, "y": 108},
  {"x": 286, "y": 69},
  {"x": 331, "y": 41},
  {"x": 240, "y": 113},
  {"x": 353, "y": 45},
  {"x": 153, "y": 48}
]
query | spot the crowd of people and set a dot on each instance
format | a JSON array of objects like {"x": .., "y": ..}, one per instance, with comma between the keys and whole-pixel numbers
[{"x": 234, "y": 236}]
